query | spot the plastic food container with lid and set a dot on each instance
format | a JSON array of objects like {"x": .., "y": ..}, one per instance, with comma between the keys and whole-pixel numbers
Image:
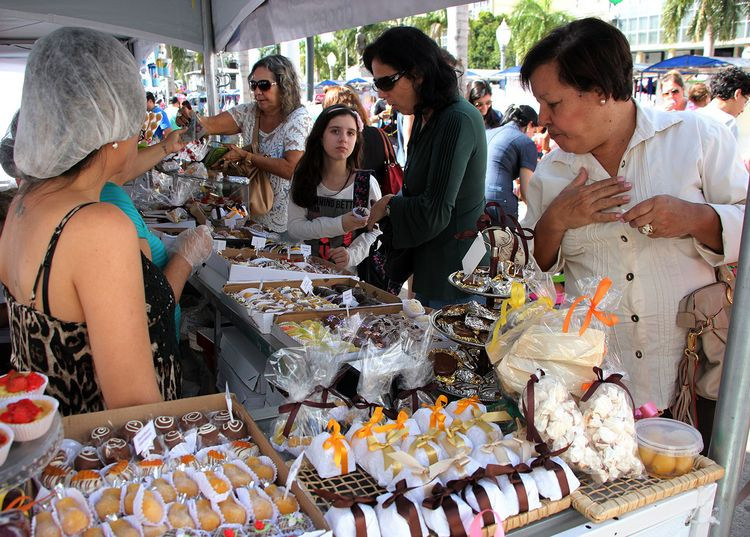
[{"x": 667, "y": 447}]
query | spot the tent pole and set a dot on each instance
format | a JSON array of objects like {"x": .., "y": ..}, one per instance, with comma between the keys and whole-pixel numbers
[
  {"x": 310, "y": 69},
  {"x": 209, "y": 58},
  {"x": 732, "y": 419}
]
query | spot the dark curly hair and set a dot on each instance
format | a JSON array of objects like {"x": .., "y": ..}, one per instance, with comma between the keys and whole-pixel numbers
[
  {"x": 286, "y": 78},
  {"x": 408, "y": 49},
  {"x": 590, "y": 55},
  {"x": 307, "y": 174},
  {"x": 730, "y": 79}
]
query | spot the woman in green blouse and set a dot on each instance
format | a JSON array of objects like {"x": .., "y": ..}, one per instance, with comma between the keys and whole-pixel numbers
[{"x": 443, "y": 191}]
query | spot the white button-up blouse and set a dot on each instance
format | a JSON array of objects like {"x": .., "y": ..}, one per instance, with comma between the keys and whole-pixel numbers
[{"x": 680, "y": 154}]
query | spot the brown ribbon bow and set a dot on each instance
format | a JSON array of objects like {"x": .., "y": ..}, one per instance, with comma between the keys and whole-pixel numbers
[
  {"x": 514, "y": 476},
  {"x": 483, "y": 500},
  {"x": 360, "y": 403},
  {"x": 353, "y": 503},
  {"x": 441, "y": 497},
  {"x": 545, "y": 460},
  {"x": 614, "y": 378},
  {"x": 293, "y": 408},
  {"x": 527, "y": 404},
  {"x": 412, "y": 394},
  {"x": 405, "y": 507}
]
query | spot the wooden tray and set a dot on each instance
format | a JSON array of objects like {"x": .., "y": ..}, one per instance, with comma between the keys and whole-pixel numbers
[{"x": 599, "y": 502}]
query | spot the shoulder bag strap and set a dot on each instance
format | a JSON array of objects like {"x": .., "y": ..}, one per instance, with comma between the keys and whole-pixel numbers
[
  {"x": 390, "y": 154},
  {"x": 256, "y": 131}
]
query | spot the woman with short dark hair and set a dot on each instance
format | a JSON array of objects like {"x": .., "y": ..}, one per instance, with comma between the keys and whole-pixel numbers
[
  {"x": 479, "y": 93},
  {"x": 651, "y": 199},
  {"x": 443, "y": 191}
]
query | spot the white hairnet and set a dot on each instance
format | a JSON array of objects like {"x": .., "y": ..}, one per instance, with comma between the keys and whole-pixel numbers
[{"x": 82, "y": 89}]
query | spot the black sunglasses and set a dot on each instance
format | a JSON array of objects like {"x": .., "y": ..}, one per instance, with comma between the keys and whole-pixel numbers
[
  {"x": 263, "y": 85},
  {"x": 386, "y": 83},
  {"x": 674, "y": 91}
]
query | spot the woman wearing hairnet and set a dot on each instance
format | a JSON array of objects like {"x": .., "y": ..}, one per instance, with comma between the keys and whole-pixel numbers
[{"x": 75, "y": 280}]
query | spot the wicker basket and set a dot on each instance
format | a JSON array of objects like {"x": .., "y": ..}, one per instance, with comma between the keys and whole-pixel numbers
[
  {"x": 599, "y": 502},
  {"x": 360, "y": 483}
]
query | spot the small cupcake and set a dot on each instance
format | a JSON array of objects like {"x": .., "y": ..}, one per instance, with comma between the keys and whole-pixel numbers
[
  {"x": 262, "y": 527},
  {"x": 6, "y": 439},
  {"x": 87, "y": 459},
  {"x": 19, "y": 384},
  {"x": 29, "y": 418},
  {"x": 295, "y": 524}
]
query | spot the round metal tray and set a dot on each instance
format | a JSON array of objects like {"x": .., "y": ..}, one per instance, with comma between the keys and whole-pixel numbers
[
  {"x": 452, "y": 280},
  {"x": 433, "y": 322},
  {"x": 27, "y": 459}
]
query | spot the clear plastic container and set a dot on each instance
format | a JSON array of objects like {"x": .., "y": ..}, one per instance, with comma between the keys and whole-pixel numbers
[{"x": 667, "y": 447}]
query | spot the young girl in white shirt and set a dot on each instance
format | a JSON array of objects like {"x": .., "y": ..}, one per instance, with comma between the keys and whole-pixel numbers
[{"x": 327, "y": 187}]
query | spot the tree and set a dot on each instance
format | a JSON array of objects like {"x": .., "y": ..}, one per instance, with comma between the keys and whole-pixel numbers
[
  {"x": 484, "y": 52},
  {"x": 529, "y": 22},
  {"x": 712, "y": 19}
]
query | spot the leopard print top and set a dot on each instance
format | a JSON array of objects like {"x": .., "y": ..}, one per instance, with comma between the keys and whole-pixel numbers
[{"x": 61, "y": 349}]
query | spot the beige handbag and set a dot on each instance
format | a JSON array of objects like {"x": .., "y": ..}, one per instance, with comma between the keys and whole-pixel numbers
[{"x": 705, "y": 313}]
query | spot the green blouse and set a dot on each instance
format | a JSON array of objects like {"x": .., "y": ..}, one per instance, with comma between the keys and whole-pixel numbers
[{"x": 443, "y": 195}]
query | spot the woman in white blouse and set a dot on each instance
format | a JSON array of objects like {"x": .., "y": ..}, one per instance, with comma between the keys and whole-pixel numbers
[
  {"x": 284, "y": 126},
  {"x": 652, "y": 200}
]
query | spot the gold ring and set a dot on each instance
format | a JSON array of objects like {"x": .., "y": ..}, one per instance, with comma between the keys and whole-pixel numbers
[{"x": 648, "y": 229}]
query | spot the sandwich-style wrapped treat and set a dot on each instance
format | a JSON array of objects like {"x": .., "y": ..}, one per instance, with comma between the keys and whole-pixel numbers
[
  {"x": 480, "y": 429},
  {"x": 554, "y": 418},
  {"x": 453, "y": 441},
  {"x": 420, "y": 478},
  {"x": 433, "y": 417},
  {"x": 359, "y": 432},
  {"x": 610, "y": 427},
  {"x": 424, "y": 449},
  {"x": 398, "y": 514},
  {"x": 482, "y": 494},
  {"x": 517, "y": 485},
  {"x": 552, "y": 475},
  {"x": 500, "y": 451},
  {"x": 379, "y": 462},
  {"x": 446, "y": 514},
  {"x": 351, "y": 516},
  {"x": 466, "y": 408},
  {"x": 398, "y": 430},
  {"x": 461, "y": 466},
  {"x": 330, "y": 453}
]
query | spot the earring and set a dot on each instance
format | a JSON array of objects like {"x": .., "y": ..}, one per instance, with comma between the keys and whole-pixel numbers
[
  {"x": 603, "y": 102},
  {"x": 114, "y": 145}
]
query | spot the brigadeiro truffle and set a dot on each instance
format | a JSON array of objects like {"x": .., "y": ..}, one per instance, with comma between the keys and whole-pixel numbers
[
  {"x": 88, "y": 459},
  {"x": 208, "y": 435},
  {"x": 234, "y": 430},
  {"x": 165, "y": 424},
  {"x": 220, "y": 418},
  {"x": 173, "y": 438},
  {"x": 115, "y": 449},
  {"x": 193, "y": 420},
  {"x": 130, "y": 429},
  {"x": 101, "y": 435}
]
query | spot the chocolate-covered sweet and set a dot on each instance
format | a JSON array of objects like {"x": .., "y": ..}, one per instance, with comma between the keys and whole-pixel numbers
[
  {"x": 208, "y": 435},
  {"x": 220, "y": 418},
  {"x": 87, "y": 459},
  {"x": 119, "y": 473},
  {"x": 193, "y": 420},
  {"x": 173, "y": 438},
  {"x": 444, "y": 364},
  {"x": 242, "y": 449},
  {"x": 115, "y": 449},
  {"x": 234, "y": 430},
  {"x": 130, "y": 429},
  {"x": 156, "y": 448},
  {"x": 61, "y": 459},
  {"x": 53, "y": 475},
  {"x": 87, "y": 481},
  {"x": 165, "y": 424},
  {"x": 101, "y": 435}
]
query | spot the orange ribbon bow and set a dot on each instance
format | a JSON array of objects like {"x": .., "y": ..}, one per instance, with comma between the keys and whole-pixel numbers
[
  {"x": 396, "y": 429},
  {"x": 366, "y": 429},
  {"x": 338, "y": 443},
  {"x": 437, "y": 418},
  {"x": 607, "y": 319},
  {"x": 467, "y": 402}
]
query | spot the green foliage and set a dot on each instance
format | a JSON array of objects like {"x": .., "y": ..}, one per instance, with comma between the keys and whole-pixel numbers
[
  {"x": 717, "y": 18},
  {"x": 484, "y": 52},
  {"x": 529, "y": 22},
  {"x": 182, "y": 61}
]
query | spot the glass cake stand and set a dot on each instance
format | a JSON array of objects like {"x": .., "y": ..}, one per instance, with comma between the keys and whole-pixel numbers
[{"x": 27, "y": 459}]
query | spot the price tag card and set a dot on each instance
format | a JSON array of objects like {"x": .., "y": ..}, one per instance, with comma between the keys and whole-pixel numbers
[
  {"x": 144, "y": 439},
  {"x": 474, "y": 255},
  {"x": 219, "y": 245},
  {"x": 347, "y": 298},
  {"x": 307, "y": 285},
  {"x": 305, "y": 249},
  {"x": 259, "y": 243},
  {"x": 230, "y": 223},
  {"x": 293, "y": 471},
  {"x": 228, "y": 397}
]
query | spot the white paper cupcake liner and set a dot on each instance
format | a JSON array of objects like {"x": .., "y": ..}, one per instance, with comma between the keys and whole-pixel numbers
[
  {"x": 205, "y": 487},
  {"x": 138, "y": 507},
  {"x": 25, "y": 432},
  {"x": 80, "y": 500}
]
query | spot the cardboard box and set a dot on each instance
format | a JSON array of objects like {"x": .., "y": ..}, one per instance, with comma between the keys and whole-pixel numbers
[
  {"x": 234, "y": 272},
  {"x": 264, "y": 321},
  {"x": 78, "y": 427}
]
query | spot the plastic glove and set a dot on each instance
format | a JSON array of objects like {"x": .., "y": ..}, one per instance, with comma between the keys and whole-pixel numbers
[{"x": 194, "y": 245}]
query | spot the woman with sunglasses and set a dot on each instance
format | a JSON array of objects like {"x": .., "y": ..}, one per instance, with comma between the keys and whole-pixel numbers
[
  {"x": 479, "y": 93},
  {"x": 673, "y": 92},
  {"x": 284, "y": 126},
  {"x": 443, "y": 192},
  {"x": 614, "y": 200}
]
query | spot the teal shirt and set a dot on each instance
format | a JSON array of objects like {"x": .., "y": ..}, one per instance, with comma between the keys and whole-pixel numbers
[
  {"x": 116, "y": 195},
  {"x": 443, "y": 195}
]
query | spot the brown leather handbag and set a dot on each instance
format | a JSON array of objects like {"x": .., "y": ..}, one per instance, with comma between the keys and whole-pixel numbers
[
  {"x": 705, "y": 313},
  {"x": 260, "y": 197}
]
